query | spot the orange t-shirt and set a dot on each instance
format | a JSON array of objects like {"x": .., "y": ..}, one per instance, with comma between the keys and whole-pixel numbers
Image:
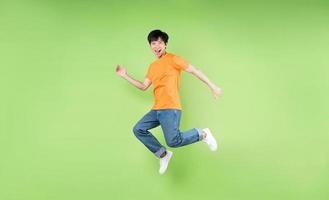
[{"x": 164, "y": 74}]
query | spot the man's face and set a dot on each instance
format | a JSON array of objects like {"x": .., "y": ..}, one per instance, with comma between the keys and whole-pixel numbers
[{"x": 158, "y": 47}]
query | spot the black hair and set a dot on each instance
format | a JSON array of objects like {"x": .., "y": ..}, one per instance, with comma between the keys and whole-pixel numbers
[{"x": 156, "y": 34}]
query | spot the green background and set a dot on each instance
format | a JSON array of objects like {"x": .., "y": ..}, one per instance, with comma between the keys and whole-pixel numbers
[{"x": 66, "y": 119}]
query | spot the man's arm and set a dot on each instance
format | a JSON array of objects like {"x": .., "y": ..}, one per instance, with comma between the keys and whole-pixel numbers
[
  {"x": 121, "y": 71},
  {"x": 198, "y": 73}
]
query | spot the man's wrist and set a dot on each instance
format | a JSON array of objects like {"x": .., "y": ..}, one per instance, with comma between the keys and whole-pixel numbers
[
  {"x": 212, "y": 86},
  {"x": 124, "y": 76}
]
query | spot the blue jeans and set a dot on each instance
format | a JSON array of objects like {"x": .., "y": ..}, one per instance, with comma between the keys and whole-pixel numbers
[{"x": 169, "y": 120}]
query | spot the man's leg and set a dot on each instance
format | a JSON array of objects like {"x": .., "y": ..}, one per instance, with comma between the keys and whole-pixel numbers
[
  {"x": 170, "y": 120},
  {"x": 140, "y": 130}
]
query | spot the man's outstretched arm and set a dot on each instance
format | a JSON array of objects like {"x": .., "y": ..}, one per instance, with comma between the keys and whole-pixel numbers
[
  {"x": 198, "y": 73},
  {"x": 121, "y": 71}
]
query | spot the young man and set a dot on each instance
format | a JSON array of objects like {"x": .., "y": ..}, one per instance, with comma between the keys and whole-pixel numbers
[{"x": 164, "y": 75}]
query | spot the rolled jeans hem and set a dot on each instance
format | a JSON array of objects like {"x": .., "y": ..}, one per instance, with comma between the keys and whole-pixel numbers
[
  {"x": 160, "y": 152},
  {"x": 200, "y": 134}
]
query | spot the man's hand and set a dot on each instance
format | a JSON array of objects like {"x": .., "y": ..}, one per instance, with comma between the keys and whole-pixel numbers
[
  {"x": 216, "y": 91},
  {"x": 121, "y": 71}
]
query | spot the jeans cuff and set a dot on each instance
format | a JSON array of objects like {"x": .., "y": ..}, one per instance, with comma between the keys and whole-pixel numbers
[
  {"x": 160, "y": 152},
  {"x": 200, "y": 134}
]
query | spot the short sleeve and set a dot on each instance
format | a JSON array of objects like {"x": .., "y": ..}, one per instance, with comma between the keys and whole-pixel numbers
[
  {"x": 180, "y": 63},
  {"x": 149, "y": 74}
]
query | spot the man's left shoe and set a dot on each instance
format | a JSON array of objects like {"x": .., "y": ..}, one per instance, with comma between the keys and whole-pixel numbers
[{"x": 210, "y": 139}]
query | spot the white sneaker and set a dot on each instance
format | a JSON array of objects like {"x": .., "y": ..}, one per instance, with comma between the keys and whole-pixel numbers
[
  {"x": 210, "y": 139},
  {"x": 164, "y": 162}
]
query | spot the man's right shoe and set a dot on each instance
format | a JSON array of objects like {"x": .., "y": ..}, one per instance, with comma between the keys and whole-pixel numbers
[{"x": 164, "y": 162}]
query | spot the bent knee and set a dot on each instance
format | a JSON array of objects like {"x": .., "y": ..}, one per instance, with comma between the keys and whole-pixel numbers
[{"x": 138, "y": 130}]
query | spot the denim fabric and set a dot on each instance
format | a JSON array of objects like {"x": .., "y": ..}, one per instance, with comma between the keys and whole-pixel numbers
[{"x": 169, "y": 120}]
